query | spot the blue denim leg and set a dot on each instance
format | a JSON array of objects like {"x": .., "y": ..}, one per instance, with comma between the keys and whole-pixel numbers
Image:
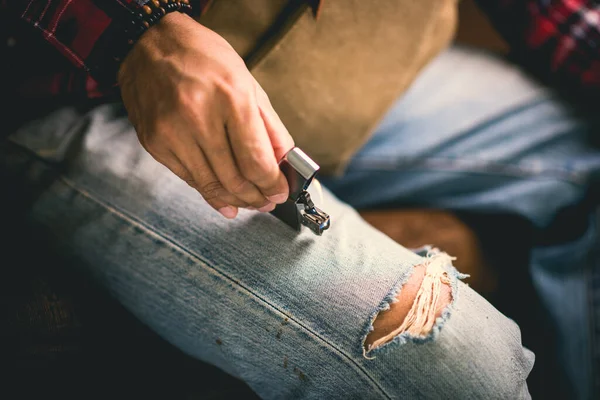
[
  {"x": 286, "y": 313},
  {"x": 474, "y": 133}
]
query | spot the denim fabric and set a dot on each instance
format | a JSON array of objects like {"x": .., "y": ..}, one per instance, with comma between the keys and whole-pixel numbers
[
  {"x": 474, "y": 133},
  {"x": 286, "y": 313},
  {"x": 289, "y": 313}
]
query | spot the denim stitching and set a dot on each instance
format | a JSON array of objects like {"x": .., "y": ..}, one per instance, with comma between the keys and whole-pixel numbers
[{"x": 150, "y": 231}]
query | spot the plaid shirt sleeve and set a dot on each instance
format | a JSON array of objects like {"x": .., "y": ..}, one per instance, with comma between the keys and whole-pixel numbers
[
  {"x": 85, "y": 33},
  {"x": 558, "y": 39}
]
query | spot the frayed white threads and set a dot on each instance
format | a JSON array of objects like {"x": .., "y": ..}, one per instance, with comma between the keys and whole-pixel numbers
[{"x": 422, "y": 316}]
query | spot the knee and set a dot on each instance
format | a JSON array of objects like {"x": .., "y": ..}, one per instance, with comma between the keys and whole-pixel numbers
[
  {"x": 419, "y": 303},
  {"x": 471, "y": 351},
  {"x": 413, "y": 228}
]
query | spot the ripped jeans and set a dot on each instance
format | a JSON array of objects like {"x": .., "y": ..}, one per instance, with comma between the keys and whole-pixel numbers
[{"x": 288, "y": 313}]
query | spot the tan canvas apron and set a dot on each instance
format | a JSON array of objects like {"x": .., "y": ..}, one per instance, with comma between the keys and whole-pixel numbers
[{"x": 332, "y": 78}]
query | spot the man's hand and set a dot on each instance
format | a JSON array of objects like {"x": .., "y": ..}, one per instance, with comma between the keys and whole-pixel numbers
[{"x": 198, "y": 110}]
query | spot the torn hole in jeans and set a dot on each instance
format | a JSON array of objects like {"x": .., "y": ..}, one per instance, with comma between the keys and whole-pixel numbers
[{"x": 425, "y": 305}]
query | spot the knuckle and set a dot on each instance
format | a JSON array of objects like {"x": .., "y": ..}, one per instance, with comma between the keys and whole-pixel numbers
[
  {"x": 236, "y": 93},
  {"x": 190, "y": 181},
  {"x": 245, "y": 191},
  {"x": 199, "y": 170},
  {"x": 162, "y": 134},
  {"x": 263, "y": 96},
  {"x": 219, "y": 151},
  {"x": 228, "y": 78},
  {"x": 211, "y": 190},
  {"x": 234, "y": 72},
  {"x": 151, "y": 143},
  {"x": 237, "y": 185},
  {"x": 190, "y": 97},
  {"x": 259, "y": 168},
  {"x": 233, "y": 200},
  {"x": 183, "y": 175},
  {"x": 251, "y": 156},
  {"x": 240, "y": 104},
  {"x": 155, "y": 139}
]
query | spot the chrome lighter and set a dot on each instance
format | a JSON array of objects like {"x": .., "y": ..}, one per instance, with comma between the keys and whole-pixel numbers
[{"x": 299, "y": 209}]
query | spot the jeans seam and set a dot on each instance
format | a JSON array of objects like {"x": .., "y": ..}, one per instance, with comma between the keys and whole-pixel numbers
[
  {"x": 464, "y": 165},
  {"x": 151, "y": 231}
]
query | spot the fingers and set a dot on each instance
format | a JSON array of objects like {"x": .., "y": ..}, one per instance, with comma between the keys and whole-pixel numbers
[
  {"x": 206, "y": 183},
  {"x": 202, "y": 178},
  {"x": 221, "y": 160},
  {"x": 281, "y": 140},
  {"x": 254, "y": 153},
  {"x": 204, "y": 112},
  {"x": 214, "y": 195}
]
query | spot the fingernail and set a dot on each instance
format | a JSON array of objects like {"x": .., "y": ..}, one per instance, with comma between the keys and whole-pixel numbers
[
  {"x": 278, "y": 198},
  {"x": 228, "y": 212},
  {"x": 268, "y": 208}
]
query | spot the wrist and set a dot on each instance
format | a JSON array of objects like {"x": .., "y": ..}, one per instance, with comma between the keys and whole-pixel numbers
[
  {"x": 153, "y": 45},
  {"x": 144, "y": 16},
  {"x": 170, "y": 19},
  {"x": 155, "y": 11}
]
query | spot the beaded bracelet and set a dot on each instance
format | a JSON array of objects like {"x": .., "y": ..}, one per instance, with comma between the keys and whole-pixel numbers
[
  {"x": 142, "y": 15},
  {"x": 151, "y": 12}
]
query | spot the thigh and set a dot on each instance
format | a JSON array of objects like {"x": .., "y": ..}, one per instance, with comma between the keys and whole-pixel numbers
[
  {"x": 475, "y": 133},
  {"x": 286, "y": 312}
]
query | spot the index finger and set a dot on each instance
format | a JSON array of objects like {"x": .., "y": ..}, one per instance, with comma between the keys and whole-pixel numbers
[{"x": 254, "y": 153}]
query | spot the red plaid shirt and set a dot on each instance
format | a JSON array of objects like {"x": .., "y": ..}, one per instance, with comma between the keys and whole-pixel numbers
[
  {"x": 83, "y": 32},
  {"x": 559, "y": 38}
]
